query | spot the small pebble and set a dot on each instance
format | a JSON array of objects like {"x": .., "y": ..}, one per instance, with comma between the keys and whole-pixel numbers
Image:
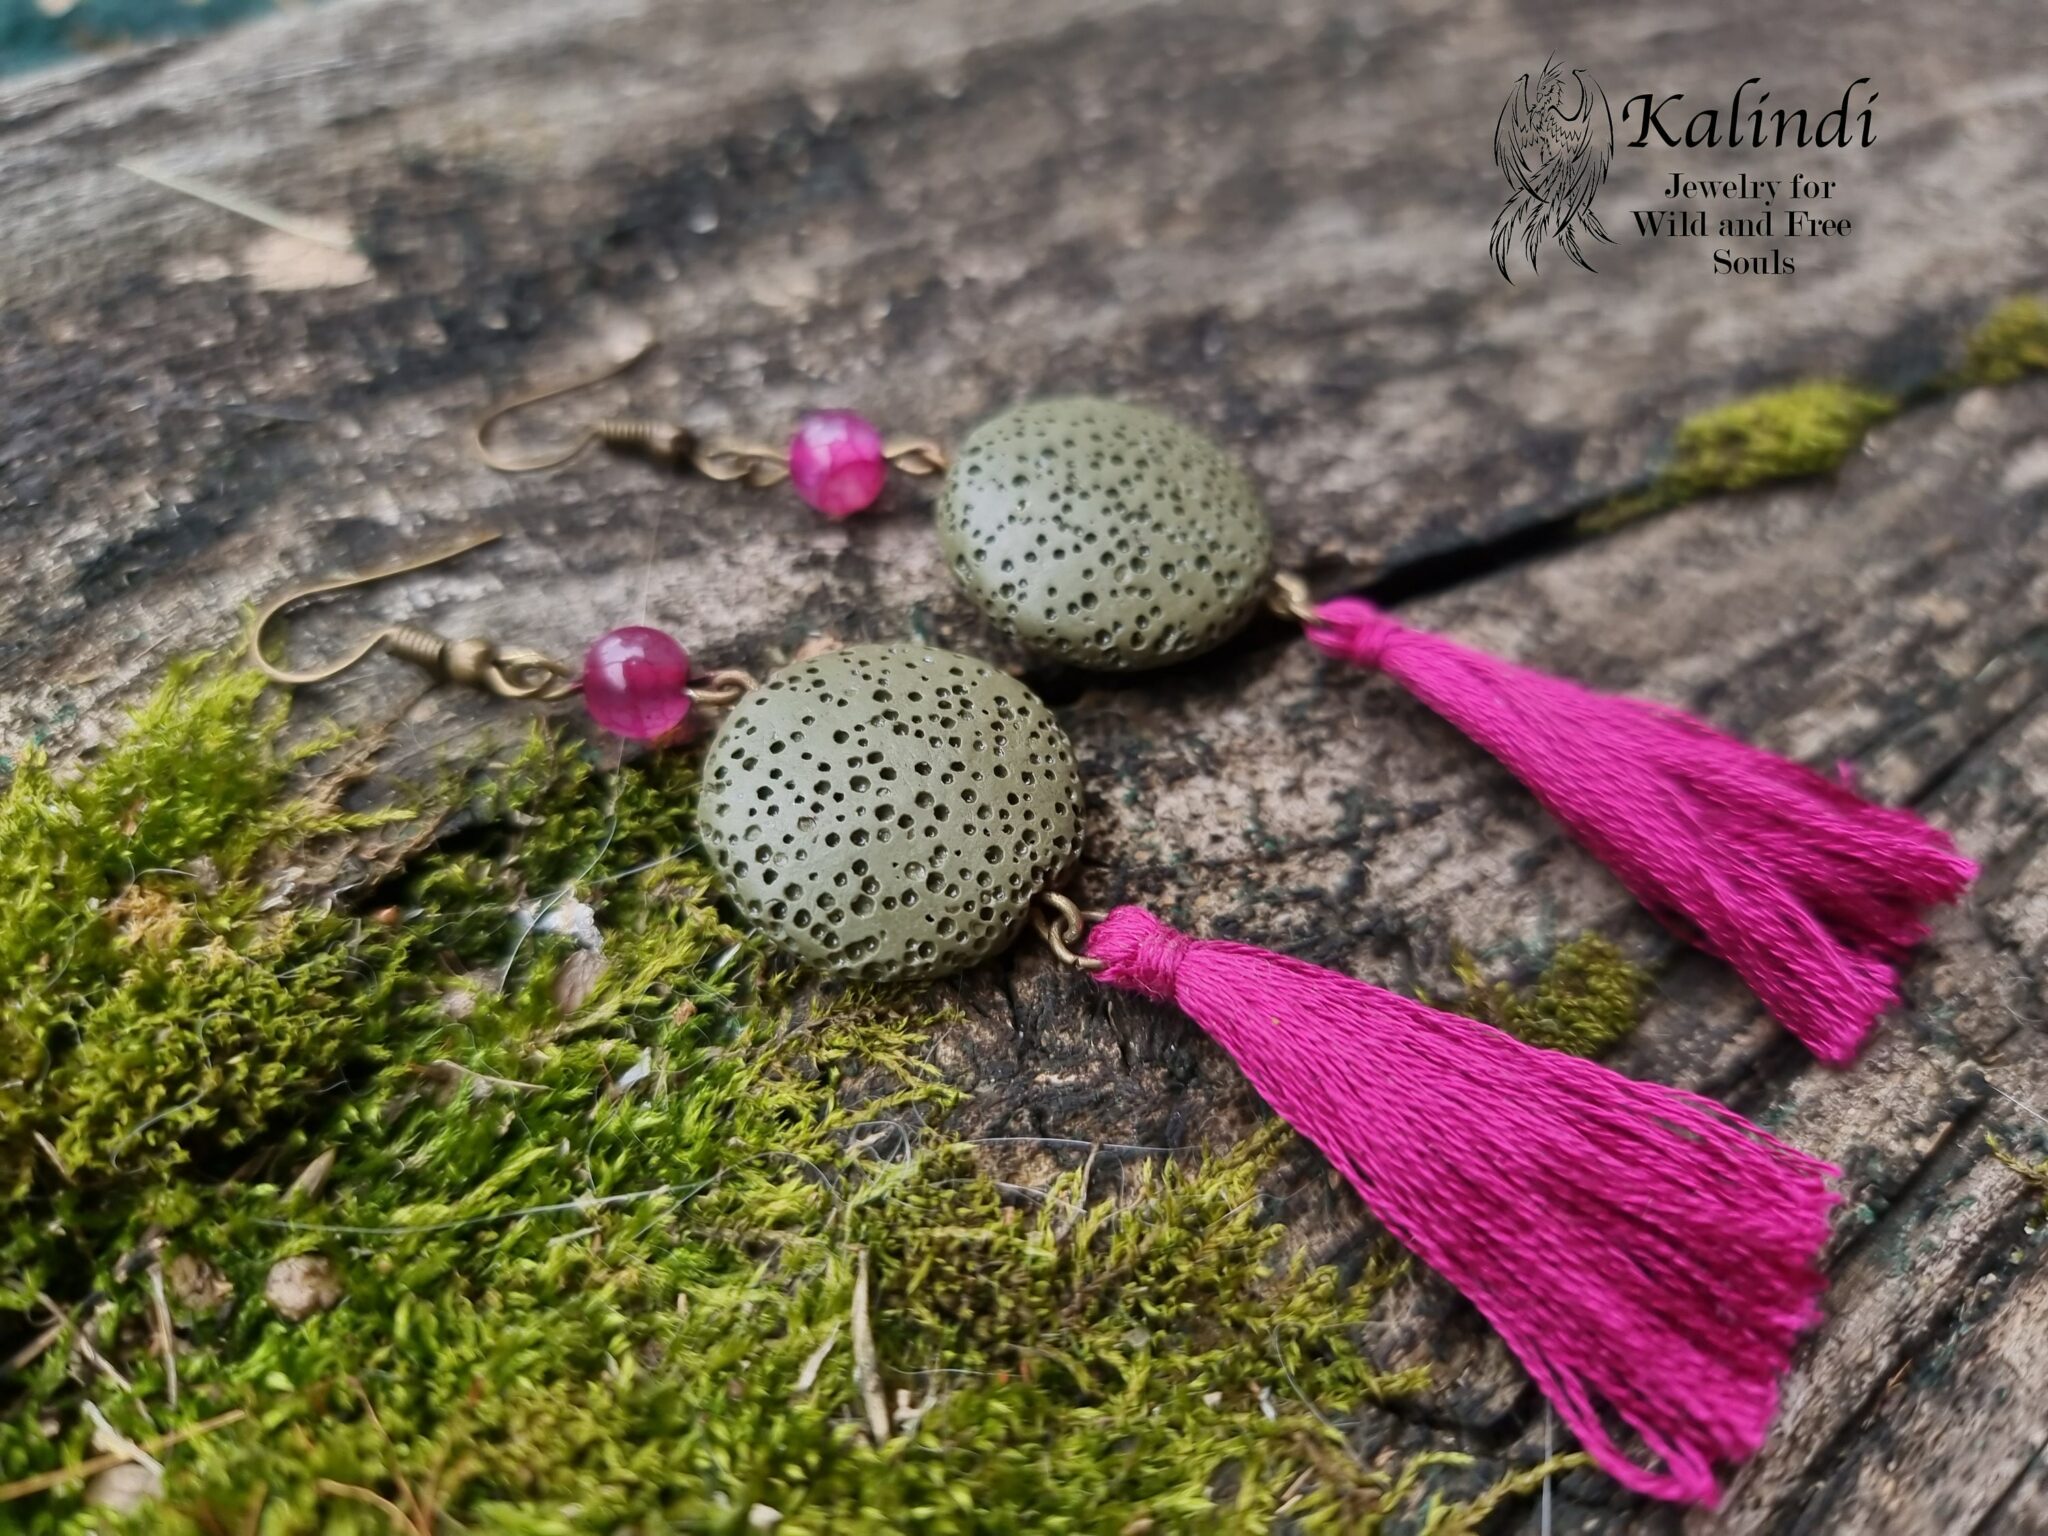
[
  {"x": 196, "y": 1285},
  {"x": 577, "y": 978},
  {"x": 301, "y": 1286},
  {"x": 125, "y": 1488}
]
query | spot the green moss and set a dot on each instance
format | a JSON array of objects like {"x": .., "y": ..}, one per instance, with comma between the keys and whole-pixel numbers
[
  {"x": 152, "y": 1009},
  {"x": 2035, "y": 1173},
  {"x": 597, "y": 1215},
  {"x": 1585, "y": 1000},
  {"x": 1788, "y": 433},
  {"x": 2011, "y": 343},
  {"x": 1785, "y": 434},
  {"x": 1810, "y": 428}
]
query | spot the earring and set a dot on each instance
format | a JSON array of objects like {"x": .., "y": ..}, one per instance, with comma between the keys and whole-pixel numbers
[
  {"x": 1111, "y": 536},
  {"x": 897, "y": 813},
  {"x": 634, "y": 681},
  {"x": 837, "y": 461}
]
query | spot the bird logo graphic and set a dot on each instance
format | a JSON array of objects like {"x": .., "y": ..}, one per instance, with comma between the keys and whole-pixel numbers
[{"x": 1555, "y": 161}]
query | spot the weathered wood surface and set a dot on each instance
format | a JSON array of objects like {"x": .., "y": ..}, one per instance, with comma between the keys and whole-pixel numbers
[{"x": 1275, "y": 224}]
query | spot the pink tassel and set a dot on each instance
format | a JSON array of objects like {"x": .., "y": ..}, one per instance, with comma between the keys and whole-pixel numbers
[
  {"x": 1647, "y": 1254},
  {"x": 1808, "y": 890}
]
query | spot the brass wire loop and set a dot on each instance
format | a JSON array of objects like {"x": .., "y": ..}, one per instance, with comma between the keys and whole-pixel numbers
[
  {"x": 754, "y": 464},
  {"x": 915, "y": 455},
  {"x": 724, "y": 688},
  {"x": 1063, "y": 926},
  {"x": 510, "y": 672}
]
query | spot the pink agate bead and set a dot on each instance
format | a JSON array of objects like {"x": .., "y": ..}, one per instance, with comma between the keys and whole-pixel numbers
[
  {"x": 836, "y": 463},
  {"x": 636, "y": 682}
]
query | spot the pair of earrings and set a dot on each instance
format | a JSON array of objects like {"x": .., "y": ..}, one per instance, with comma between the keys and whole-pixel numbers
[
  {"x": 1112, "y": 537},
  {"x": 894, "y": 812}
]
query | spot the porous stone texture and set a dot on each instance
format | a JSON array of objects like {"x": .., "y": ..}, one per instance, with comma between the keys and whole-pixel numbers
[
  {"x": 888, "y": 812},
  {"x": 1104, "y": 534}
]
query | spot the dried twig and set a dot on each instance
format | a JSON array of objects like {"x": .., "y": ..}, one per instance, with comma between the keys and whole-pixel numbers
[
  {"x": 419, "y": 1515},
  {"x": 32, "y": 1351},
  {"x": 117, "y": 1441},
  {"x": 815, "y": 1362},
  {"x": 865, "y": 1371},
  {"x": 1079, "y": 1208},
  {"x": 166, "y": 1341},
  {"x": 84, "y": 1345},
  {"x": 399, "y": 1519},
  {"x": 49, "y": 1149},
  {"x": 481, "y": 1084},
  {"x": 257, "y": 212}
]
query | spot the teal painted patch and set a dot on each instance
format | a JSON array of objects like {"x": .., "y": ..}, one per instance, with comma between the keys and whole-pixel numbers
[{"x": 34, "y": 35}]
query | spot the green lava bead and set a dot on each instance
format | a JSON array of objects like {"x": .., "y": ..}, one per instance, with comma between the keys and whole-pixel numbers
[
  {"x": 1103, "y": 534},
  {"x": 888, "y": 812}
]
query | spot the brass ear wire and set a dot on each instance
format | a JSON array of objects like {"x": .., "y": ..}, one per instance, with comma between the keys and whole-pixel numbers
[
  {"x": 734, "y": 460},
  {"x": 753, "y": 464},
  {"x": 511, "y": 673},
  {"x": 657, "y": 439}
]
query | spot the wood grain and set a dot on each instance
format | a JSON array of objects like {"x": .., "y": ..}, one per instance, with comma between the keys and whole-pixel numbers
[{"x": 1273, "y": 221}]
